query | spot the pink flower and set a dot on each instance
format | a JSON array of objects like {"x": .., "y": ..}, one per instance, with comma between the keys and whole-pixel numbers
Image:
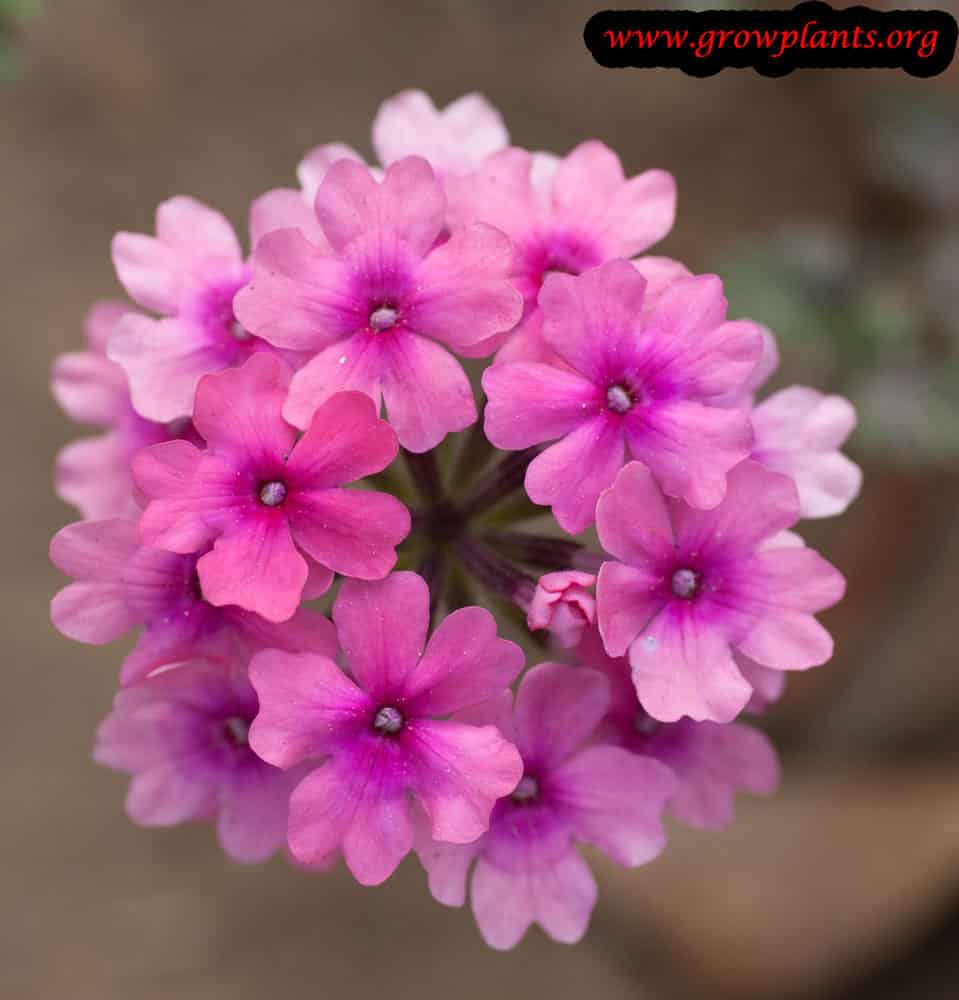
[
  {"x": 527, "y": 867},
  {"x": 563, "y": 603},
  {"x": 454, "y": 140},
  {"x": 693, "y": 587},
  {"x": 183, "y": 736},
  {"x": 122, "y": 584},
  {"x": 711, "y": 761},
  {"x": 372, "y": 312},
  {"x": 642, "y": 384},
  {"x": 189, "y": 273},
  {"x": 563, "y": 216},
  {"x": 273, "y": 506},
  {"x": 379, "y": 730},
  {"x": 93, "y": 473},
  {"x": 799, "y": 432}
]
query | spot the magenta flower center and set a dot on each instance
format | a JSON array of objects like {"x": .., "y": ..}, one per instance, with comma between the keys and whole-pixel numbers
[
  {"x": 620, "y": 399},
  {"x": 685, "y": 583},
  {"x": 273, "y": 493},
  {"x": 383, "y": 318},
  {"x": 526, "y": 791},
  {"x": 236, "y": 731},
  {"x": 388, "y": 720},
  {"x": 645, "y": 724}
]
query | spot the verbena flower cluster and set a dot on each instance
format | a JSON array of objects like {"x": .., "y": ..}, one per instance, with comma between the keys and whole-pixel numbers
[{"x": 297, "y": 423}]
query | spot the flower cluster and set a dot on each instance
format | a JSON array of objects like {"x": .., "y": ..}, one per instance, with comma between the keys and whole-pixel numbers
[{"x": 324, "y": 530}]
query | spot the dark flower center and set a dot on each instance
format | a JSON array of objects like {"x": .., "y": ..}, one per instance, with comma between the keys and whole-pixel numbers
[
  {"x": 645, "y": 724},
  {"x": 238, "y": 331},
  {"x": 383, "y": 318},
  {"x": 685, "y": 583},
  {"x": 526, "y": 791},
  {"x": 388, "y": 720},
  {"x": 273, "y": 493},
  {"x": 236, "y": 731},
  {"x": 620, "y": 399}
]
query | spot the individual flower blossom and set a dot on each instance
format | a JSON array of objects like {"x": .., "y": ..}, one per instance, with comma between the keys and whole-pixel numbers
[
  {"x": 189, "y": 273},
  {"x": 182, "y": 735},
  {"x": 563, "y": 603},
  {"x": 274, "y": 507},
  {"x": 527, "y": 869},
  {"x": 692, "y": 587},
  {"x": 122, "y": 584},
  {"x": 799, "y": 432},
  {"x": 93, "y": 473},
  {"x": 455, "y": 140},
  {"x": 710, "y": 761},
  {"x": 563, "y": 215},
  {"x": 628, "y": 383},
  {"x": 378, "y": 734},
  {"x": 375, "y": 311}
]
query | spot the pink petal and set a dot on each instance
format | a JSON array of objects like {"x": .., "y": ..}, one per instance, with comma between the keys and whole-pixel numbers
[
  {"x": 253, "y": 818},
  {"x": 89, "y": 388},
  {"x": 639, "y": 214},
  {"x": 457, "y": 138},
  {"x": 627, "y": 599},
  {"x": 93, "y": 474},
  {"x": 166, "y": 797},
  {"x": 531, "y": 403},
  {"x": 148, "y": 270},
  {"x": 284, "y": 208},
  {"x": 100, "y": 322},
  {"x": 632, "y": 518},
  {"x": 427, "y": 393},
  {"x": 257, "y": 567},
  {"x": 768, "y": 685},
  {"x": 464, "y": 663},
  {"x": 240, "y": 409},
  {"x": 571, "y": 474},
  {"x": 559, "y": 896},
  {"x": 447, "y": 866},
  {"x": 298, "y": 296},
  {"x": 382, "y": 628},
  {"x": 457, "y": 773},
  {"x": 557, "y": 709},
  {"x": 314, "y": 166},
  {"x": 197, "y": 233},
  {"x": 346, "y": 441},
  {"x": 499, "y": 194},
  {"x": 590, "y": 176},
  {"x": 683, "y": 666},
  {"x": 688, "y": 307},
  {"x": 465, "y": 297},
  {"x": 591, "y": 321},
  {"x": 627, "y": 827},
  {"x": 306, "y": 704},
  {"x": 409, "y": 204},
  {"x": 354, "y": 532},
  {"x": 690, "y": 448}
]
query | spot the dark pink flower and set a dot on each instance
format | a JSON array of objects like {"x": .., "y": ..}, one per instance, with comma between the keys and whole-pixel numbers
[
  {"x": 274, "y": 506},
  {"x": 182, "y": 735},
  {"x": 629, "y": 383},
  {"x": 93, "y": 473},
  {"x": 189, "y": 273},
  {"x": 710, "y": 761},
  {"x": 799, "y": 432},
  {"x": 122, "y": 584},
  {"x": 527, "y": 868},
  {"x": 694, "y": 587},
  {"x": 375, "y": 311},
  {"x": 563, "y": 215},
  {"x": 564, "y": 603},
  {"x": 377, "y": 734}
]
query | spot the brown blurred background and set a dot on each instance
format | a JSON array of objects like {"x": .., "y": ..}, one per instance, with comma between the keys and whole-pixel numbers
[{"x": 831, "y": 202}]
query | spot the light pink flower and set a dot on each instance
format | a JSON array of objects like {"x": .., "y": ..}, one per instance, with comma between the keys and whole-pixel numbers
[
  {"x": 274, "y": 506},
  {"x": 799, "y": 432},
  {"x": 122, "y": 584},
  {"x": 527, "y": 868},
  {"x": 93, "y": 473},
  {"x": 379, "y": 731},
  {"x": 711, "y": 762},
  {"x": 373, "y": 311},
  {"x": 182, "y": 735},
  {"x": 693, "y": 586},
  {"x": 189, "y": 273},
  {"x": 454, "y": 140},
  {"x": 563, "y": 215},
  {"x": 563, "y": 603},
  {"x": 645, "y": 385}
]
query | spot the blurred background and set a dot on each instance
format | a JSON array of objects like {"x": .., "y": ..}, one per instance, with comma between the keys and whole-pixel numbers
[{"x": 830, "y": 203}]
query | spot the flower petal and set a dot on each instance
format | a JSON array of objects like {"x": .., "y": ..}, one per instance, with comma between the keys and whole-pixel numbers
[
  {"x": 632, "y": 518},
  {"x": 627, "y": 600}
]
